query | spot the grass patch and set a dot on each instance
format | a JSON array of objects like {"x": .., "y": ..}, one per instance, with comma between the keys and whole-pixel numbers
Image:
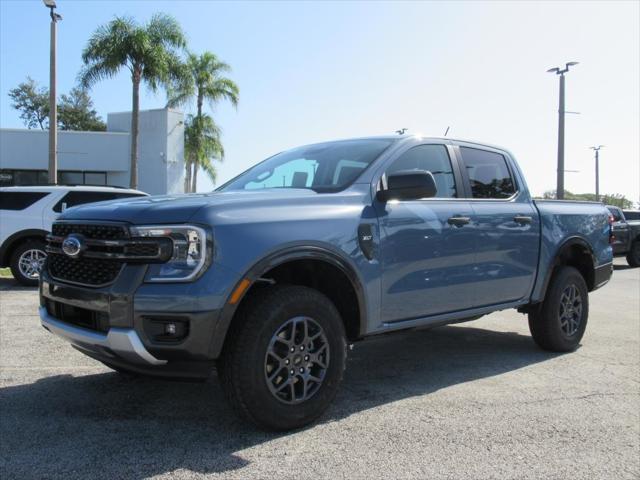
[{"x": 5, "y": 273}]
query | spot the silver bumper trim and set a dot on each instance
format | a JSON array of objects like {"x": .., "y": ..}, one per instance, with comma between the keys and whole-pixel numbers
[{"x": 124, "y": 342}]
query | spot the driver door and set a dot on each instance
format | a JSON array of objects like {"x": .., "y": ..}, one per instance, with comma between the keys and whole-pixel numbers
[{"x": 427, "y": 247}]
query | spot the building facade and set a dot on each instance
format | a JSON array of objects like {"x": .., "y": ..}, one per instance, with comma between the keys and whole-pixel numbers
[{"x": 101, "y": 158}]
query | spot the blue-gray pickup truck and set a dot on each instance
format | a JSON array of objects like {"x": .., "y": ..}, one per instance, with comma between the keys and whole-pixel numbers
[{"x": 271, "y": 276}]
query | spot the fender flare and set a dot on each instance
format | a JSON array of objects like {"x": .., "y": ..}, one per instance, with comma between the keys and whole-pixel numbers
[
  {"x": 9, "y": 243},
  {"x": 279, "y": 257},
  {"x": 555, "y": 261}
]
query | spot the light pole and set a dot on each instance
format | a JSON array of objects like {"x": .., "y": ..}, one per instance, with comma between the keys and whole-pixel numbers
[
  {"x": 53, "y": 111},
  {"x": 560, "y": 170},
  {"x": 597, "y": 150}
]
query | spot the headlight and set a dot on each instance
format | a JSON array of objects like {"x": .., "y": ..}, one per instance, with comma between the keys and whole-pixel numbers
[{"x": 191, "y": 252}]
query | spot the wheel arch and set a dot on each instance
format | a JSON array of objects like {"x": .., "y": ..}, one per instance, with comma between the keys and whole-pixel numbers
[
  {"x": 299, "y": 256},
  {"x": 6, "y": 250},
  {"x": 574, "y": 252}
]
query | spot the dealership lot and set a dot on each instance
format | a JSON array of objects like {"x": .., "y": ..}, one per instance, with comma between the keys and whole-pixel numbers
[{"x": 476, "y": 400}]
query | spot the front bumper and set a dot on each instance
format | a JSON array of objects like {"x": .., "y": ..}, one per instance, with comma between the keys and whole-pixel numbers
[
  {"x": 118, "y": 343},
  {"x": 118, "y": 324}
]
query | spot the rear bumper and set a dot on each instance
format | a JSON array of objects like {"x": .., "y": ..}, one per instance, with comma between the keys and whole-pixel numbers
[{"x": 602, "y": 275}]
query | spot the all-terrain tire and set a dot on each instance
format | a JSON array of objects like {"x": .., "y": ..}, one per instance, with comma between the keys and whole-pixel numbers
[
  {"x": 245, "y": 363},
  {"x": 633, "y": 257},
  {"x": 559, "y": 323}
]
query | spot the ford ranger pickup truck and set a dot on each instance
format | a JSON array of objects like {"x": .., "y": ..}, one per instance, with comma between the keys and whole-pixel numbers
[{"x": 269, "y": 278}]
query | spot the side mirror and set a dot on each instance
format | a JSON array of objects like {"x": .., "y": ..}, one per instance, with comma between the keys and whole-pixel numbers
[{"x": 408, "y": 185}]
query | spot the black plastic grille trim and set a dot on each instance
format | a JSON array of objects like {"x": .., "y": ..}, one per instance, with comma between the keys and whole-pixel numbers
[
  {"x": 90, "y": 230},
  {"x": 84, "y": 271}
]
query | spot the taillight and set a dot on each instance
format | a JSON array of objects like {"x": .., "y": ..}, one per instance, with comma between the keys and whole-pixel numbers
[{"x": 612, "y": 237}]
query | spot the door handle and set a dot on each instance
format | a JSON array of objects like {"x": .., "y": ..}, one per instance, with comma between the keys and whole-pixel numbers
[
  {"x": 522, "y": 219},
  {"x": 458, "y": 221}
]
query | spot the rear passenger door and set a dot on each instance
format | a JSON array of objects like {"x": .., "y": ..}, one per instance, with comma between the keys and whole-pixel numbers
[
  {"x": 507, "y": 224},
  {"x": 19, "y": 211}
]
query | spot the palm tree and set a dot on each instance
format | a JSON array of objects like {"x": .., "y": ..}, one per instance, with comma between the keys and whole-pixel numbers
[
  {"x": 201, "y": 145},
  {"x": 150, "y": 52},
  {"x": 202, "y": 80}
]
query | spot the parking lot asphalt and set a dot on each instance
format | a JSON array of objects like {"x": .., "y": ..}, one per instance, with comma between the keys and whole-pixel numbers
[{"x": 476, "y": 400}]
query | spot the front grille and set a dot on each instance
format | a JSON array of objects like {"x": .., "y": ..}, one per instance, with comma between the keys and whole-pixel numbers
[
  {"x": 80, "y": 317},
  {"x": 92, "y": 272},
  {"x": 106, "y": 248},
  {"x": 90, "y": 230},
  {"x": 85, "y": 271}
]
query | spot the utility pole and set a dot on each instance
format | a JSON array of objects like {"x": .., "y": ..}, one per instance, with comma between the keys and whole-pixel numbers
[
  {"x": 597, "y": 150},
  {"x": 560, "y": 169},
  {"x": 53, "y": 111}
]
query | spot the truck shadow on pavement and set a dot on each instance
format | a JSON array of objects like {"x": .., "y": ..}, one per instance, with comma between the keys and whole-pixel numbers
[
  {"x": 108, "y": 425},
  {"x": 10, "y": 284}
]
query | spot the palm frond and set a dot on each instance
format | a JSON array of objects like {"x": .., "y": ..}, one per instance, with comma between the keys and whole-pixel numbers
[{"x": 165, "y": 30}]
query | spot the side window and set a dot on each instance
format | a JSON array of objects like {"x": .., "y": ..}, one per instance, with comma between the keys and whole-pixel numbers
[
  {"x": 616, "y": 213},
  {"x": 73, "y": 199},
  {"x": 19, "y": 200},
  {"x": 434, "y": 159},
  {"x": 488, "y": 173}
]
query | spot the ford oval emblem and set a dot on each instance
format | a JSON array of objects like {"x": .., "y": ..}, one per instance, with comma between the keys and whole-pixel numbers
[{"x": 72, "y": 246}]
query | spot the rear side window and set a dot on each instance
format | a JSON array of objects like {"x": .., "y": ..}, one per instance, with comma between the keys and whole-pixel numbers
[
  {"x": 19, "y": 200},
  {"x": 73, "y": 199},
  {"x": 488, "y": 174},
  {"x": 631, "y": 215},
  {"x": 432, "y": 158},
  {"x": 616, "y": 213}
]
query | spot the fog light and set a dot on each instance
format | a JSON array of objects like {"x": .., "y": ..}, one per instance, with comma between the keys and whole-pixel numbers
[{"x": 166, "y": 329}]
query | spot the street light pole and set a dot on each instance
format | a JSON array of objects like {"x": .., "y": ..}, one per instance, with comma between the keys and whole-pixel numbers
[
  {"x": 560, "y": 168},
  {"x": 597, "y": 150},
  {"x": 53, "y": 111}
]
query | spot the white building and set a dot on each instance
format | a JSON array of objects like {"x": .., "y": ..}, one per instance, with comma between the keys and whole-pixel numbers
[{"x": 101, "y": 158}]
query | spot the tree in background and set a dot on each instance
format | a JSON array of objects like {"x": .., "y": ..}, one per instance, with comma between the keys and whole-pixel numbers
[
  {"x": 75, "y": 110},
  {"x": 202, "y": 80},
  {"x": 150, "y": 52},
  {"x": 32, "y": 101},
  {"x": 615, "y": 199},
  {"x": 202, "y": 145}
]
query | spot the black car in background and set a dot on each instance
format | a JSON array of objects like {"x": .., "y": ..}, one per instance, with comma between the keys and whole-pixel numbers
[
  {"x": 631, "y": 215},
  {"x": 626, "y": 235}
]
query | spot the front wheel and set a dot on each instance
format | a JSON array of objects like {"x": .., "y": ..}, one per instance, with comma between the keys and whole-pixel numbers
[
  {"x": 633, "y": 257},
  {"x": 559, "y": 323},
  {"x": 27, "y": 260},
  {"x": 285, "y": 358}
]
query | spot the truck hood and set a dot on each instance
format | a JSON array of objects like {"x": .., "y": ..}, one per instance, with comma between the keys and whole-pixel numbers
[{"x": 178, "y": 208}]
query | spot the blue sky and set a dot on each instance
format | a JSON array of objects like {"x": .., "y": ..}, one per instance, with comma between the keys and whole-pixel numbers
[{"x": 315, "y": 71}]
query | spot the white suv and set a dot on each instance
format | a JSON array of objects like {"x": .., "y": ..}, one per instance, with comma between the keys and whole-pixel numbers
[{"x": 26, "y": 214}]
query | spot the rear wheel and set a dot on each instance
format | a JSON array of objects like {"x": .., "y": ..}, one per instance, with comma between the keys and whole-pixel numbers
[
  {"x": 285, "y": 358},
  {"x": 633, "y": 257},
  {"x": 27, "y": 260},
  {"x": 560, "y": 321}
]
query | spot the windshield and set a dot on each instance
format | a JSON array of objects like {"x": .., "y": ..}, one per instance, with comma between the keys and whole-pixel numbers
[{"x": 325, "y": 167}]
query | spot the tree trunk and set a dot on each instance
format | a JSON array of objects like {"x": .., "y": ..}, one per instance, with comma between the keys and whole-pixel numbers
[
  {"x": 135, "y": 114},
  {"x": 194, "y": 185},
  {"x": 194, "y": 162},
  {"x": 187, "y": 175},
  {"x": 200, "y": 101}
]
